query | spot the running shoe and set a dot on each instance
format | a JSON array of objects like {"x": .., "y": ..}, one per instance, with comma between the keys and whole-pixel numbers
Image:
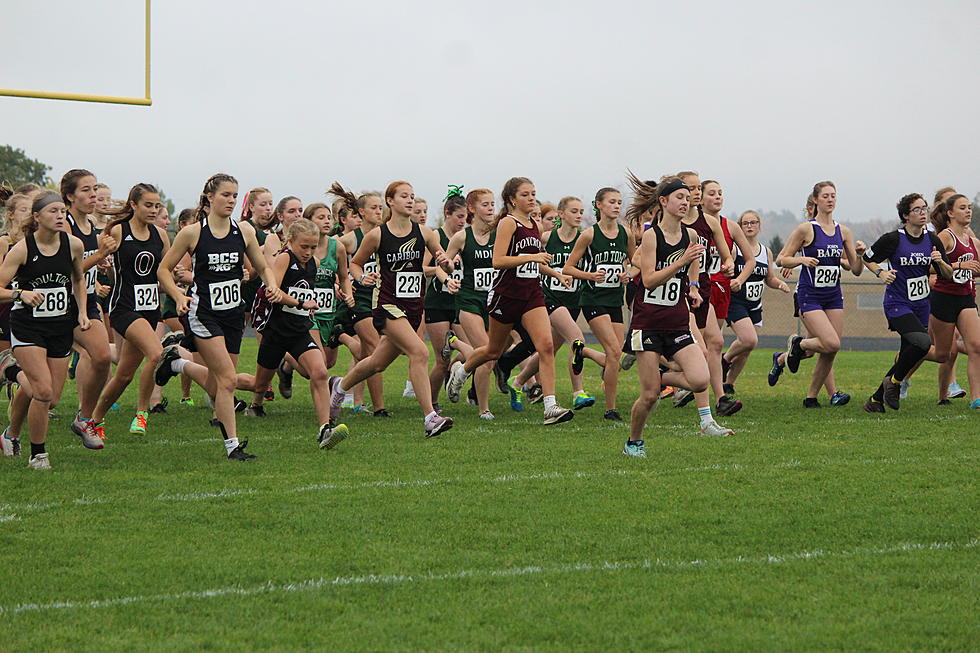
[
  {"x": 872, "y": 406},
  {"x": 667, "y": 391},
  {"x": 138, "y": 425},
  {"x": 892, "y": 391},
  {"x": 160, "y": 407},
  {"x": 582, "y": 400},
  {"x": 172, "y": 338},
  {"x": 437, "y": 424},
  {"x": 578, "y": 356},
  {"x": 727, "y": 406},
  {"x": 408, "y": 392},
  {"x": 9, "y": 446},
  {"x": 776, "y": 370},
  {"x": 215, "y": 422},
  {"x": 187, "y": 401},
  {"x": 447, "y": 347},
  {"x": 500, "y": 376},
  {"x": 348, "y": 401},
  {"x": 336, "y": 398},
  {"x": 944, "y": 402},
  {"x": 635, "y": 449},
  {"x": 100, "y": 431},
  {"x": 40, "y": 461},
  {"x": 682, "y": 397},
  {"x": 627, "y": 361},
  {"x": 715, "y": 429},
  {"x": 795, "y": 354},
  {"x": 116, "y": 406},
  {"x": 975, "y": 404},
  {"x": 85, "y": 429},
  {"x": 840, "y": 399},
  {"x": 286, "y": 381},
  {"x": 556, "y": 415},
  {"x": 728, "y": 388},
  {"x": 904, "y": 391},
  {"x": 240, "y": 405},
  {"x": 725, "y": 366},
  {"x": 381, "y": 412},
  {"x": 269, "y": 395},
  {"x": 487, "y": 415},
  {"x": 255, "y": 410},
  {"x": 73, "y": 365},
  {"x": 331, "y": 436},
  {"x": 6, "y": 360},
  {"x": 457, "y": 377},
  {"x": 612, "y": 416},
  {"x": 516, "y": 398},
  {"x": 534, "y": 393},
  {"x": 362, "y": 409},
  {"x": 164, "y": 369},
  {"x": 471, "y": 396},
  {"x": 955, "y": 391},
  {"x": 239, "y": 453},
  {"x": 811, "y": 402}
]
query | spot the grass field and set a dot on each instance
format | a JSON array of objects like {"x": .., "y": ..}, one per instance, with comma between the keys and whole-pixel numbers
[{"x": 816, "y": 530}]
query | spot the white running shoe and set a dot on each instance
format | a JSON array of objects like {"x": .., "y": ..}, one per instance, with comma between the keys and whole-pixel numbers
[
  {"x": 556, "y": 415},
  {"x": 39, "y": 461},
  {"x": 636, "y": 449},
  {"x": 714, "y": 428},
  {"x": 903, "y": 392},
  {"x": 9, "y": 446},
  {"x": 331, "y": 436},
  {"x": 409, "y": 390},
  {"x": 6, "y": 360},
  {"x": 85, "y": 429},
  {"x": 457, "y": 377},
  {"x": 487, "y": 415},
  {"x": 348, "y": 401},
  {"x": 681, "y": 397},
  {"x": 954, "y": 391},
  {"x": 336, "y": 398},
  {"x": 436, "y": 425}
]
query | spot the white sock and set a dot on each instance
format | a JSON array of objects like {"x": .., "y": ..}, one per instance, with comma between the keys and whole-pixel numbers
[
  {"x": 705, "y": 415},
  {"x": 550, "y": 401},
  {"x": 408, "y": 384},
  {"x": 339, "y": 389},
  {"x": 231, "y": 444},
  {"x": 431, "y": 415},
  {"x": 177, "y": 366}
]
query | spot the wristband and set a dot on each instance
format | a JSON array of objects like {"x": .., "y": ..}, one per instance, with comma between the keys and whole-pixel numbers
[
  {"x": 695, "y": 284},
  {"x": 878, "y": 273}
]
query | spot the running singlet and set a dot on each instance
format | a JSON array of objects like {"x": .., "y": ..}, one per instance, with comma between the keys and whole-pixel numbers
[
  {"x": 605, "y": 255},
  {"x": 824, "y": 279},
  {"x": 135, "y": 264},
  {"x": 51, "y": 277},
  {"x": 478, "y": 271},
  {"x": 298, "y": 282},
  {"x": 910, "y": 259},
  {"x": 715, "y": 270},
  {"x": 218, "y": 271},
  {"x": 524, "y": 281},
  {"x": 962, "y": 281},
  {"x": 363, "y": 294},
  {"x": 400, "y": 261},
  {"x": 664, "y": 308},
  {"x": 437, "y": 298},
  {"x": 750, "y": 293},
  {"x": 325, "y": 284},
  {"x": 706, "y": 238},
  {"x": 90, "y": 243},
  {"x": 554, "y": 291}
]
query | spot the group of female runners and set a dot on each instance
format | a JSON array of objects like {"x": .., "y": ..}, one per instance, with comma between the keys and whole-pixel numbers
[{"x": 493, "y": 290}]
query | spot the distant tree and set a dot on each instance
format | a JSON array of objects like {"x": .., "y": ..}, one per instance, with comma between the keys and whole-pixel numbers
[
  {"x": 169, "y": 203},
  {"x": 17, "y": 168},
  {"x": 776, "y": 245},
  {"x": 975, "y": 223}
]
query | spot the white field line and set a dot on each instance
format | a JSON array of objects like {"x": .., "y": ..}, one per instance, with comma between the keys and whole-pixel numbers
[
  {"x": 6, "y": 518},
  {"x": 314, "y": 584},
  {"x": 506, "y": 478}
]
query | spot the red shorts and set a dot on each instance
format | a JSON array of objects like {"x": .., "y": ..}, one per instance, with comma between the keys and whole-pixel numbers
[
  {"x": 721, "y": 296},
  {"x": 510, "y": 310}
]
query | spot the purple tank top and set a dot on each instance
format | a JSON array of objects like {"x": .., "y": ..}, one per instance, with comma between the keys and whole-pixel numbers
[
  {"x": 911, "y": 264},
  {"x": 823, "y": 280}
]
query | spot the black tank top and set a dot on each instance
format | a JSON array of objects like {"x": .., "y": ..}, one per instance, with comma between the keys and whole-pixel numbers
[
  {"x": 50, "y": 276},
  {"x": 299, "y": 283},
  {"x": 135, "y": 265},
  {"x": 218, "y": 271},
  {"x": 664, "y": 308},
  {"x": 90, "y": 242},
  {"x": 400, "y": 263}
]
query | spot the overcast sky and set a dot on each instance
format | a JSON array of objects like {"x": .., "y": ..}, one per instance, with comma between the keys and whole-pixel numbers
[{"x": 767, "y": 97}]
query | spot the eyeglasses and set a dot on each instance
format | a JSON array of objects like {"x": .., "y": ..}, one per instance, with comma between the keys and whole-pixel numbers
[
  {"x": 750, "y": 223},
  {"x": 920, "y": 210}
]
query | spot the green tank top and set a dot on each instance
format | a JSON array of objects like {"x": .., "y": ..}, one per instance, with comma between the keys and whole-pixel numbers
[
  {"x": 326, "y": 281},
  {"x": 478, "y": 272},
  {"x": 436, "y": 296},
  {"x": 553, "y": 290},
  {"x": 606, "y": 255},
  {"x": 363, "y": 295}
]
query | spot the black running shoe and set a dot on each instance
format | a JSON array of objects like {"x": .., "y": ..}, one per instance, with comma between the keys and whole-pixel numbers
[
  {"x": 285, "y": 382},
  {"x": 578, "y": 347},
  {"x": 160, "y": 407},
  {"x": 381, "y": 413},
  {"x": 269, "y": 395},
  {"x": 172, "y": 338},
  {"x": 776, "y": 370},
  {"x": 240, "y": 405},
  {"x": 239, "y": 453},
  {"x": 500, "y": 376},
  {"x": 811, "y": 402},
  {"x": 164, "y": 371},
  {"x": 534, "y": 393},
  {"x": 728, "y": 388},
  {"x": 215, "y": 422},
  {"x": 255, "y": 410},
  {"x": 471, "y": 396},
  {"x": 795, "y": 354},
  {"x": 942, "y": 402},
  {"x": 872, "y": 406},
  {"x": 612, "y": 416},
  {"x": 892, "y": 391},
  {"x": 725, "y": 366},
  {"x": 727, "y": 406}
]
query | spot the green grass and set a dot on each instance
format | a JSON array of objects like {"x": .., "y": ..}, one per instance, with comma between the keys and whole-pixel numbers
[{"x": 816, "y": 530}]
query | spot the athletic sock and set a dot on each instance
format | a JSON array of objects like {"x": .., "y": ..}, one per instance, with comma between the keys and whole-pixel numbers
[
  {"x": 177, "y": 366},
  {"x": 36, "y": 449},
  {"x": 12, "y": 372},
  {"x": 550, "y": 401},
  {"x": 705, "y": 415},
  {"x": 339, "y": 389},
  {"x": 430, "y": 416},
  {"x": 231, "y": 444},
  {"x": 879, "y": 394}
]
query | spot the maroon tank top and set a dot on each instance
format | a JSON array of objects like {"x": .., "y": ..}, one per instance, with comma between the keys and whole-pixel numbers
[
  {"x": 706, "y": 237},
  {"x": 400, "y": 264},
  {"x": 664, "y": 308},
  {"x": 524, "y": 281},
  {"x": 962, "y": 282}
]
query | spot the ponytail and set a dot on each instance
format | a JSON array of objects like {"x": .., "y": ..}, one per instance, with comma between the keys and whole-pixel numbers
[{"x": 940, "y": 213}]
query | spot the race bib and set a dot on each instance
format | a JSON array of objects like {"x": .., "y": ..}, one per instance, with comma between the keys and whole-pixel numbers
[
  {"x": 371, "y": 267},
  {"x": 483, "y": 279},
  {"x": 408, "y": 285},
  {"x": 54, "y": 302},
  {"x": 667, "y": 294},
  {"x": 225, "y": 295},
  {"x": 301, "y": 295},
  {"x": 610, "y": 273},
  {"x": 324, "y": 299},
  {"x": 962, "y": 276},
  {"x": 826, "y": 276},
  {"x": 715, "y": 266},
  {"x": 527, "y": 271},
  {"x": 753, "y": 290},
  {"x": 918, "y": 288},
  {"x": 556, "y": 285},
  {"x": 146, "y": 297},
  {"x": 457, "y": 275}
]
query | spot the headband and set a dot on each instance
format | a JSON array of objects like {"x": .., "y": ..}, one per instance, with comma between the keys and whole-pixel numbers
[
  {"x": 673, "y": 186},
  {"x": 44, "y": 200}
]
